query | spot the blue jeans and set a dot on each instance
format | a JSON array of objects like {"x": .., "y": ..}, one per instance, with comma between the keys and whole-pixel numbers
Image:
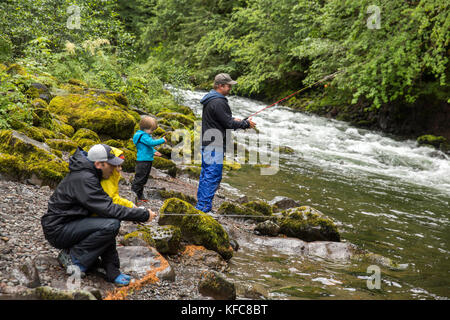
[{"x": 210, "y": 177}]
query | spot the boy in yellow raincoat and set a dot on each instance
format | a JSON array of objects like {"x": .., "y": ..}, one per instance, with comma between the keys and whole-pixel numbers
[{"x": 111, "y": 185}]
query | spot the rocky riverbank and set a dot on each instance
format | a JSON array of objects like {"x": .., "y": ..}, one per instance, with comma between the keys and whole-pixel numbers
[{"x": 28, "y": 261}]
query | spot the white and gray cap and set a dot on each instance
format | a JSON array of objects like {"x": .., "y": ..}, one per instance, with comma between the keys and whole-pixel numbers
[
  {"x": 103, "y": 153},
  {"x": 224, "y": 78}
]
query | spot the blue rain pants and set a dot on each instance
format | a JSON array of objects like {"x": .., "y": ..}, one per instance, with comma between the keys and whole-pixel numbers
[{"x": 210, "y": 177}]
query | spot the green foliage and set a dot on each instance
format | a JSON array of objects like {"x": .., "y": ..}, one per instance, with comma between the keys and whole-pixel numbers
[{"x": 272, "y": 47}]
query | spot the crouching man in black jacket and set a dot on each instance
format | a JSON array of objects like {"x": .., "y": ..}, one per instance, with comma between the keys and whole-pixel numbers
[{"x": 68, "y": 223}]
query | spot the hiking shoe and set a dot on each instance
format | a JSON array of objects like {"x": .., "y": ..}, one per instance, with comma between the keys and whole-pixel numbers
[{"x": 122, "y": 280}]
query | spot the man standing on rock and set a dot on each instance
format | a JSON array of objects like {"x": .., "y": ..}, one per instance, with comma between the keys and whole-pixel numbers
[
  {"x": 69, "y": 224},
  {"x": 216, "y": 119}
]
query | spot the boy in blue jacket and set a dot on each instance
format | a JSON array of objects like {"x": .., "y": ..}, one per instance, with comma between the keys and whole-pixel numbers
[{"x": 145, "y": 151}]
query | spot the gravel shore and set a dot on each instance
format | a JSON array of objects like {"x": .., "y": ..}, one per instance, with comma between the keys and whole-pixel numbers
[{"x": 22, "y": 242}]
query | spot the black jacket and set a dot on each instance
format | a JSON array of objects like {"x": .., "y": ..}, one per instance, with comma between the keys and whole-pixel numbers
[
  {"x": 80, "y": 194},
  {"x": 217, "y": 115}
]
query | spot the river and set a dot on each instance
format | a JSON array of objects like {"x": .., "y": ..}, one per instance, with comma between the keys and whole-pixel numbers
[{"x": 388, "y": 196}]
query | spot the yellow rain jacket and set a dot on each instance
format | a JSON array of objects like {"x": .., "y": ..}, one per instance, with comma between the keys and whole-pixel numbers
[{"x": 111, "y": 185}]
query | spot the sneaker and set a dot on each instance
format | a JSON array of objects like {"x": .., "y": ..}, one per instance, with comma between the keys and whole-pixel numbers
[{"x": 122, "y": 280}]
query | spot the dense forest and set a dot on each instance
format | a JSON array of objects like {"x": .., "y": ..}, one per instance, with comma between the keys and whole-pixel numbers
[{"x": 391, "y": 56}]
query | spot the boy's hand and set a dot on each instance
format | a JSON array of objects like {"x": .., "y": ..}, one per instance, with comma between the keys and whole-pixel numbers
[{"x": 158, "y": 154}]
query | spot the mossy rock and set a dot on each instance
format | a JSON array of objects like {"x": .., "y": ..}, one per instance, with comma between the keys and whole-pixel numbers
[
  {"x": 86, "y": 144},
  {"x": 39, "y": 90},
  {"x": 284, "y": 150},
  {"x": 308, "y": 224},
  {"x": 165, "y": 150},
  {"x": 166, "y": 194},
  {"x": 62, "y": 144},
  {"x": 230, "y": 208},
  {"x": 431, "y": 140},
  {"x": 166, "y": 239},
  {"x": 158, "y": 132},
  {"x": 42, "y": 117},
  {"x": 260, "y": 206},
  {"x": 141, "y": 234},
  {"x": 11, "y": 166},
  {"x": 192, "y": 171},
  {"x": 196, "y": 227},
  {"x": 16, "y": 69},
  {"x": 63, "y": 128},
  {"x": 49, "y": 293},
  {"x": 39, "y": 163},
  {"x": 130, "y": 160},
  {"x": 114, "y": 143},
  {"x": 165, "y": 164},
  {"x": 78, "y": 82},
  {"x": 101, "y": 113},
  {"x": 84, "y": 133},
  {"x": 227, "y": 165},
  {"x": 37, "y": 133},
  {"x": 181, "y": 118}
]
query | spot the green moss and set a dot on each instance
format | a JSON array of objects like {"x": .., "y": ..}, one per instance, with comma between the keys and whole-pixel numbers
[
  {"x": 141, "y": 234},
  {"x": 166, "y": 194},
  {"x": 285, "y": 150},
  {"x": 166, "y": 239},
  {"x": 78, "y": 82},
  {"x": 260, "y": 206},
  {"x": 308, "y": 224},
  {"x": 38, "y": 134},
  {"x": 231, "y": 165},
  {"x": 99, "y": 113},
  {"x": 130, "y": 160},
  {"x": 62, "y": 144},
  {"x": 196, "y": 226},
  {"x": 114, "y": 143},
  {"x": 192, "y": 171},
  {"x": 230, "y": 208},
  {"x": 158, "y": 132},
  {"x": 16, "y": 69},
  {"x": 63, "y": 128},
  {"x": 429, "y": 139},
  {"x": 165, "y": 164},
  {"x": 181, "y": 118},
  {"x": 165, "y": 150},
  {"x": 11, "y": 166},
  {"x": 86, "y": 144},
  {"x": 84, "y": 133},
  {"x": 38, "y": 161}
]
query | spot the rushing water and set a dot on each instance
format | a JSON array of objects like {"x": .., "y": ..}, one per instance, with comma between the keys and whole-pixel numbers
[{"x": 389, "y": 197}]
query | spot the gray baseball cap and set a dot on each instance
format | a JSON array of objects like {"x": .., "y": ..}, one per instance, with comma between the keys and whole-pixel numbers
[
  {"x": 224, "y": 78},
  {"x": 103, "y": 153}
]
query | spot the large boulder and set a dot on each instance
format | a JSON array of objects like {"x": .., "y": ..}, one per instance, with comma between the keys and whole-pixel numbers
[
  {"x": 308, "y": 224},
  {"x": 166, "y": 194},
  {"x": 196, "y": 226},
  {"x": 213, "y": 284},
  {"x": 138, "y": 261},
  {"x": 239, "y": 211},
  {"x": 166, "y": 239},
  {"x": 280, "y": 203},
  {"x": 260, "y": 206},
  {"x": 101, "y": 113},
  {"x": 33, "y": 160}
]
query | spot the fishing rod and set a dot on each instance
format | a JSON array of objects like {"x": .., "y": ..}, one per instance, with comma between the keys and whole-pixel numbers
[{"x": 293, "y": 94}]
